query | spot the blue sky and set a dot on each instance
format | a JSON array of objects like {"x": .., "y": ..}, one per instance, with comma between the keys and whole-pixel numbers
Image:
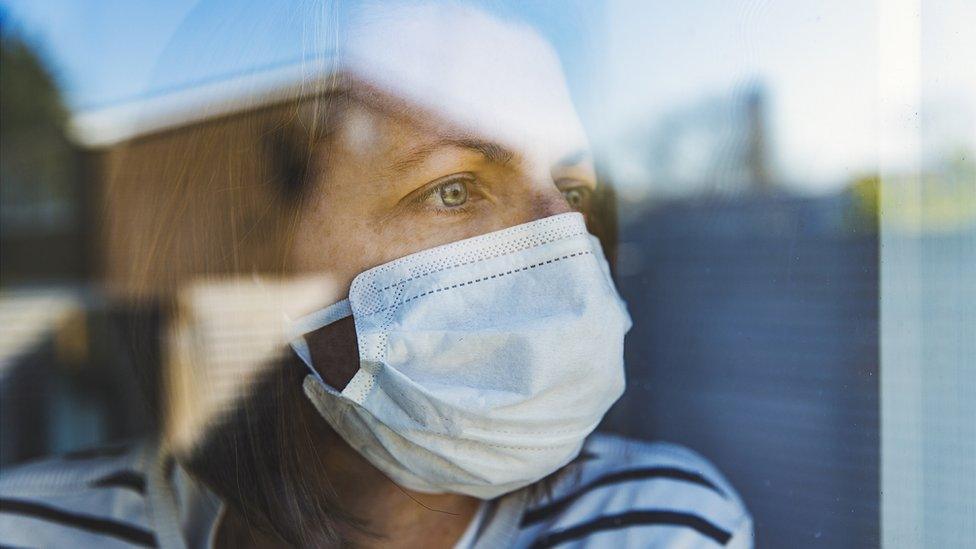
[
  {"x": 629, "y": 61},
  {"x": 108, "y": 51}
]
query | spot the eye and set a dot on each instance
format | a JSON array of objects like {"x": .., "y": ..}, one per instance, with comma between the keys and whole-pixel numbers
[
  {"x": 453, "y": 193},
  {"x": 576, "y": 196}
]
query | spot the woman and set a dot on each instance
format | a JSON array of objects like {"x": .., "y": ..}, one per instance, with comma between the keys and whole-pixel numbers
[{"x": 464, "y": 339}]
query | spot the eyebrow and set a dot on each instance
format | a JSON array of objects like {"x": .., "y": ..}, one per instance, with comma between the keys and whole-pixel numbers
[
  {"x": 493, "y": 152},
  {"x": 574, "y": 158}
]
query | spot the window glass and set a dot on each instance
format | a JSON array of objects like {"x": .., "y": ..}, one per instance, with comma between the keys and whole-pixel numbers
[{"x": 785, "y": 194}]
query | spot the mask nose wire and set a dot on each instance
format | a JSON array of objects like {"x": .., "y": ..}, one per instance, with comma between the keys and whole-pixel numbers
[{"x": 299, "y": 328}]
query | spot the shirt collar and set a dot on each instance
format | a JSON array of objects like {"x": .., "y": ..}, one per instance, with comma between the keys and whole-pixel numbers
[{"x": 184, "y": 512}]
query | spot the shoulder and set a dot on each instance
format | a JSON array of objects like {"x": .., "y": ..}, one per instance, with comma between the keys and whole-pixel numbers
[
  {"x": 90, "y": 498},
  {"x": 632, "y": 493}
]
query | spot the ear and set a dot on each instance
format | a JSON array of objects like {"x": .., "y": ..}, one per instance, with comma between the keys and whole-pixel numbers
[{"x": 289, "y": 155}]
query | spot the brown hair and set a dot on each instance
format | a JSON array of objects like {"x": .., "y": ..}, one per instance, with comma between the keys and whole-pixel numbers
[
  {"x": 214, "y": 200},
  {"x": 222, "y": 199}
]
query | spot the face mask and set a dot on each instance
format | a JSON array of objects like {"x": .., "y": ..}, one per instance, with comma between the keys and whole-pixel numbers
[{"x": 483, "y": 363}]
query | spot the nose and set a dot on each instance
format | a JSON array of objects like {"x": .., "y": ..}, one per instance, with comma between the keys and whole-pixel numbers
[
  {"x": 547, "y": 201},
  {"x": 538, "y": 198}
]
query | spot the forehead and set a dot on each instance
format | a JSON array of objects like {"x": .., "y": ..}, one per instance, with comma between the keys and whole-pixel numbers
[{"x": 466, "y": 69}]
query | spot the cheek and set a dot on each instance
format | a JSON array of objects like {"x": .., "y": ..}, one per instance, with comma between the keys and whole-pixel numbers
[
  {"x": 334, "y": 233},
  {"x": 332, "y": 243},
  {"x": 392, "y": 239}
]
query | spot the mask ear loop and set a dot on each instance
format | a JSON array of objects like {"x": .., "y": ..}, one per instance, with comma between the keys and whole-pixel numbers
[{"x": 299, "y": 328}]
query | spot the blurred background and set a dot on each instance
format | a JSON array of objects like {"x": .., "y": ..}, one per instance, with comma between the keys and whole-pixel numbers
[{"x": 797, "y": 231}]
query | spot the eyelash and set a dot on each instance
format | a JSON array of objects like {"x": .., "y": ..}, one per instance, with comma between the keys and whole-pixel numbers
[
  {"x": 473, "y": 188},
  {"x": 470, "y": 183}
]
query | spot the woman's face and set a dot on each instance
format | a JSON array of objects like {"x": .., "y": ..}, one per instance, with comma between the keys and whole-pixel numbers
[{"x": 392, "y": 181}]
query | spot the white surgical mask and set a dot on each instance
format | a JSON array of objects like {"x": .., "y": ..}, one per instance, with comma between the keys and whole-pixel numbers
[{"x": 484, "y": 364}]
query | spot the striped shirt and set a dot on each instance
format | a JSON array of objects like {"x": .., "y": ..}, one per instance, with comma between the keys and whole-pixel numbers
[{"x": 620, "y": 493}]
